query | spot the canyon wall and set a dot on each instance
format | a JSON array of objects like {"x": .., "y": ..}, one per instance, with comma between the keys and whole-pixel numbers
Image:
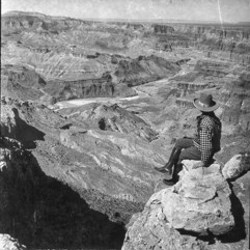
[
  {"x": 44, "y": 213},
  {"x": 62, "y": 183},
  {"x": 58, "y": 160}
]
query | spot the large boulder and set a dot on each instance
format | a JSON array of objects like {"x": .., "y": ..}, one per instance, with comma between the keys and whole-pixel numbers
[
  {"x": 9, "y": 243},
  {"x": 198, "y": 205},
  {"x": 236, "y": 166},
  {"x": 150, "y": 230},
  {"x": 199, "y": 202}
]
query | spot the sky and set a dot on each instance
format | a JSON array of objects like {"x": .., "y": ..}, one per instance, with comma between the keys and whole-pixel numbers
[{"x": 190, "y": 10}]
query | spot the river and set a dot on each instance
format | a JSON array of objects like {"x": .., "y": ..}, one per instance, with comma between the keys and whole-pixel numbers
[{"x": 142, "y": 92}]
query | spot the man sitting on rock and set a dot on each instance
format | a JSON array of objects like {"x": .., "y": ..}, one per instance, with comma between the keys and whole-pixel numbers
[{"x": 202, "y": 147}]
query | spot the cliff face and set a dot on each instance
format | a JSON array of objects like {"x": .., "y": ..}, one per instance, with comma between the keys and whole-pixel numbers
[
  {"x": 145, "y": 69},
  {"x": 42, "y": 212},
  {"x": 9, "y": 243},
  {"x": 22, "y": 21},
  {"x": 198, "y": 212},
  {"x": 64, "y": 48},
  {"x": 236, "y": 98},
  {"x": 66, "y": 151},
  {"x": 231, "y": 42},
  {"x": 66, "y": 90},
  {"x": 24, "y": 83}
]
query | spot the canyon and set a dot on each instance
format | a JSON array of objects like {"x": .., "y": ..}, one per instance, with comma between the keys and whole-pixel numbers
[{"x": 89, "y": 108}]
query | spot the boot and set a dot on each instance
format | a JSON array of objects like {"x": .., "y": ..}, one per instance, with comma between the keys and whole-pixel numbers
[
  {"x": 174, "y": 178},
  {"x": 167, "y": 168}
]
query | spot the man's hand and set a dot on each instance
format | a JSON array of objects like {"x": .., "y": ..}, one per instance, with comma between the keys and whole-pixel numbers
[{"x": 199, "y": 164}]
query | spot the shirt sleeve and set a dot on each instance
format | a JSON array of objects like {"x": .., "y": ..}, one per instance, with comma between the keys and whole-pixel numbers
[{"x": 206, "y": 142}]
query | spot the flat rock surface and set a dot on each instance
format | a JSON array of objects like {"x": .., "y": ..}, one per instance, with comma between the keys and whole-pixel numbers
[
  {"x": 199, "y": 202},
  {"x": 197, "y": 205}
]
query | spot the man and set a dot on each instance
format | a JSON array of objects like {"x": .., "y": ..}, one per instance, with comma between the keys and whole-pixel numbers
[{"x": 202, "y": 147}]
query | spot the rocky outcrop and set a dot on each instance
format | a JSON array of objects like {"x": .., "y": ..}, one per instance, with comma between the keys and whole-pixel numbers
[
  {"x": 8, "y": 122},
  {"x": 26, "y": 77},
  {"x": 179, "y": 217},
  {"x": 232, "y": 41},
  {"x": 236, "y": 166},
  {"x": 13, "y": 126},
  {"x": 22, "y": 83},
  {"x": 235, "y": 97},
  {"x": 184, "y": 103},
  {"x": 157, "y": 234},
  {"x": 86, "y": 158},
  {"x": 162, "y": 29},
  {"x": 25, "y": 84},
  {"x": 114, "y": 118},
  {"x": 43, "y": 212},
  {"x": 212, "y": 67},
  {"x": 239, "y": 236},
  {"x": 9, "y": 243},
  {"x": 134, "y": 26},
  {"x": 66, "y": 90},
  {"x": 191, "y": 88},
  {"x": 145, "y": 69},
  {"x": 200, "y": 192},
  {"x": 18, "y": 21},
  {"x": 205, "y": 68}
]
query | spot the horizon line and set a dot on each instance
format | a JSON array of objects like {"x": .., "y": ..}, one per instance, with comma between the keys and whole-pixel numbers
[{"x": 125, "y": 19}]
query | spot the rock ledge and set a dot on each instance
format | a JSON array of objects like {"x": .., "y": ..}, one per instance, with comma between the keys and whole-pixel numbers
[{"x": 176, "y": 217}]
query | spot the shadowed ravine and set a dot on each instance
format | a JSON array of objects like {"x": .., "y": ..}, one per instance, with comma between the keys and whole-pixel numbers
[{"x": 45, "y": 213}]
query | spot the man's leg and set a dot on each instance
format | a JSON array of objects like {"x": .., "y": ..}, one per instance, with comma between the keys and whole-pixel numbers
[
  {"x": 179, "y": 145},
  {"x": 191, "y": 153},
  {"x": 184, "y": 143},
  {"x": 166, "y": 167}
]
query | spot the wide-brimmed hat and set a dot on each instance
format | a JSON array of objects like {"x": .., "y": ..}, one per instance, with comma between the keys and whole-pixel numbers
[{"x": 205, "y": 103}]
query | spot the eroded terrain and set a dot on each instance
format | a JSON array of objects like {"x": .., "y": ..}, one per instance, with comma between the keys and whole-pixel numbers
[{"x": 96, "y": 106}]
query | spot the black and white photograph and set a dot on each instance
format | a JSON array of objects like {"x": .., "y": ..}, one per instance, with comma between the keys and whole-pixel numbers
[{"x": 125, "y": 125}]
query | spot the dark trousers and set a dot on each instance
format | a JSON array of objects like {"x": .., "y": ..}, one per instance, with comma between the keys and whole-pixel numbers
[{"x": 188, "y": 150}]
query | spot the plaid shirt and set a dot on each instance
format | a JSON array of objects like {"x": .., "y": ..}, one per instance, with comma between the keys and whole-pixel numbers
[{"x": 207, "y": 138}]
